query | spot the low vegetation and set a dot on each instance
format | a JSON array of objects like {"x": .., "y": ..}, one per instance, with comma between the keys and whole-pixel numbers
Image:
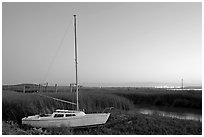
[
  {"x": 161, "y": 97},
  {"x": 119, "y": 123},
  {"x": 16, "y": 105}
]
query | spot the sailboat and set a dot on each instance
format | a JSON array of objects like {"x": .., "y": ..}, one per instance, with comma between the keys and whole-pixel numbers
[{"x": 67, "y": 118}]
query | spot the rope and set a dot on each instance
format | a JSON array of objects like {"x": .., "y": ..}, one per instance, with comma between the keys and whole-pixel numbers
[
  {"x": 58, "y": 49},
  {"x": 64, "y": 101}
]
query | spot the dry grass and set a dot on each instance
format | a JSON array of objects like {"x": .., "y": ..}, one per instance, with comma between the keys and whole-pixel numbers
[{"x": 17, "y": 105}]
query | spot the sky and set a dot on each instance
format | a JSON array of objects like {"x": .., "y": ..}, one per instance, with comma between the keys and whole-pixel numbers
[{"x": 119, "y": 43}]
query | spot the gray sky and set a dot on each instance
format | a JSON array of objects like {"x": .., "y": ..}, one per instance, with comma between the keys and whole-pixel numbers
[{"x": 117, "y": 42}]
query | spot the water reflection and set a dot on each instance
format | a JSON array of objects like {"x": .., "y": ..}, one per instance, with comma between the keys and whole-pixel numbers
[{"x": 185, "y": 116}]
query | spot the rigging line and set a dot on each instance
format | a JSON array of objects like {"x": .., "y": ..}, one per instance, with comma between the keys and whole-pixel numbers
[
  {"x": 58, "y": 49},
  {"x": 60, "y": 100}
]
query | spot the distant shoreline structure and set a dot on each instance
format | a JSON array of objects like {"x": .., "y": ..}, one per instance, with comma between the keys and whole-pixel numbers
[
  {"x": 95, "y": 85},
  {"x": 145, "y": 85}
]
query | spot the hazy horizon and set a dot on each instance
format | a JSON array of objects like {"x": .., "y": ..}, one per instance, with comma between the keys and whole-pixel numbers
[{"x": 117, "y": 42}]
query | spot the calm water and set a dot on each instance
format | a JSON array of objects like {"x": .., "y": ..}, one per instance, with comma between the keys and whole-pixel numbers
[
  {"x": 185, "y": 116},
  {"x": 195, "y": 89}
]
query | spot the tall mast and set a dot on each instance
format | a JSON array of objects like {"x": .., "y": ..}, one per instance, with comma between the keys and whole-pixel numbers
[{"x": 76, "y": 63}]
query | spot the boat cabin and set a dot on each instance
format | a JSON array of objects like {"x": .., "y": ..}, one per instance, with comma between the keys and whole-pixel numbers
[{"x": 67, "y": 113}]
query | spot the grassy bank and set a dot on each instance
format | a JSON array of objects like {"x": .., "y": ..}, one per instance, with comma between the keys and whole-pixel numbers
[
  {"x": 120, "y": 123},
  {"x": 158, "y": 97},
  {"x": 16, "y": 105},
  {"x": 132, "y": 123}
]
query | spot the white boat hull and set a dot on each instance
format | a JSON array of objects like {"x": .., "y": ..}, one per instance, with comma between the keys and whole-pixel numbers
[{"x": 76, "y": 121}]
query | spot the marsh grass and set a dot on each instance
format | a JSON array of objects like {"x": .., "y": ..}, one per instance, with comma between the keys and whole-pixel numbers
[
  {"x": 18, "y": 105},
  {"x": 123, "y": 119},
  {"x": 162, "y": 97}
]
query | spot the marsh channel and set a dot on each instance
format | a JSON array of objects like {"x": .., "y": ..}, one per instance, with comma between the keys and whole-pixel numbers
[{"x": 184, "y": 114}]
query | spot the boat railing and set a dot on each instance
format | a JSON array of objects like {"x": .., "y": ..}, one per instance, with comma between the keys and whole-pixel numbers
[{"x": 107, "y": 110}]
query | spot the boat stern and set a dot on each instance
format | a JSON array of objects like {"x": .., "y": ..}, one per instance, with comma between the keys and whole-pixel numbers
[{"x": 106, "y": 117}]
